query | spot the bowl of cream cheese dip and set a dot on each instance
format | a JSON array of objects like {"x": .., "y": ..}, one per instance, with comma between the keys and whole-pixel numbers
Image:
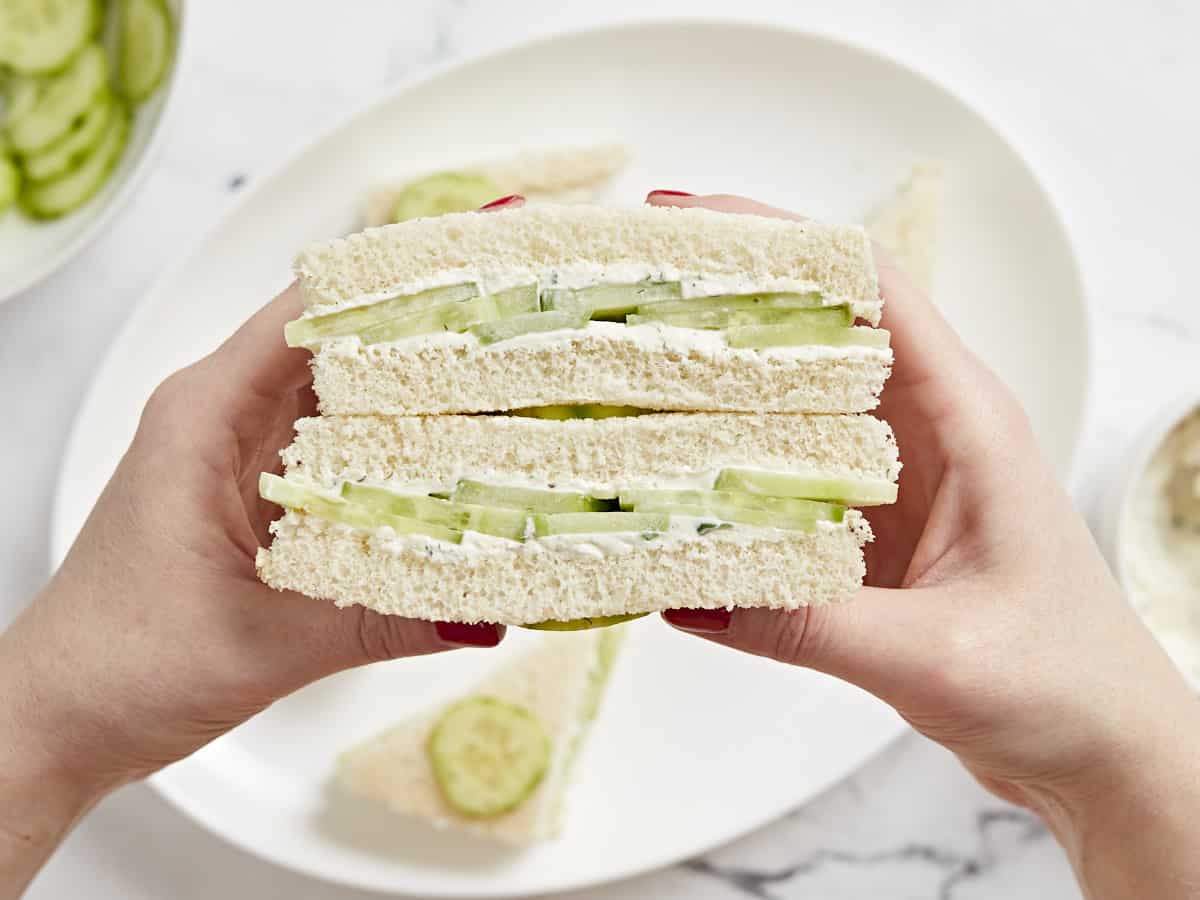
[{"x": 1155, "y": 533}]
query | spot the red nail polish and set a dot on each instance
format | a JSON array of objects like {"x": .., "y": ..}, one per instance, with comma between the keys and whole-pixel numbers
[
  {"x": 671, "y": 194},
  {"x": 700, "y": 621},
  {"x": 503, "y": 201},
  {"x": 482, "y": 634}
]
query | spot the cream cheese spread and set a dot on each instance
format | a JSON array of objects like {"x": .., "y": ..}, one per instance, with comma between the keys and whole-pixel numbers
[{"x": 1160, "y": 555}]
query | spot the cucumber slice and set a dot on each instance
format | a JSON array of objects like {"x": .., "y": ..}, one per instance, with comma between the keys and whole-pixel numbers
[
  {"x": 581, "y": 411},
  {"x": 759, "y": 337},
  {"x": 487, "y": 756},
  {"x": 515, "y": 326},
  {"x": 501, "y": 522},
  {"x": 445, "y": 192},
  {"x": 20, "y": 98},
  {"x": 661, "y": 500},
  {"x": 847, "y": 491},
  {"x": 829, "y": 317},
  {"x": 69, "y": 191},
  {"x": 611, "y": 302},
  {"x": 812, "y": 300},
  {"x": 598, "y": 523},
  {"x": 67, "y": 152},
  {"x": 453, "y": 317},
  {"x": 583, "y": 624},
  {"x": 305, "y": 332},
  {"x": 10, "y": 182},
  {"x": 60, "y": 101},
  {"x": 335, "y": 509},
  {"x": 144, "y": 47},
  {"x": 38, "y": 36},
  {"x": 480, "y": 493}
]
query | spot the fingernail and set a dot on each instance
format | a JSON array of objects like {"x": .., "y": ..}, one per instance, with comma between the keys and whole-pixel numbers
[
  {"x": 460, "y": 634},
  {"x": 662, "y": 193},
  {"x": 503, "y": 201},
  {"x": 700, "y": 621}
]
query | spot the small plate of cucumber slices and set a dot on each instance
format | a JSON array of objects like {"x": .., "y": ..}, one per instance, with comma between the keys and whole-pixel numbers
[
  {"x": 694, "y": 745},
  {"x": 82, "y": 93}
]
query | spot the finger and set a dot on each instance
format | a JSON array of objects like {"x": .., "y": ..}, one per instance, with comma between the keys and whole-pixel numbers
[
  {"x": 924, "y": 344},
  {"x": 255, "y": 369},
  {"x": 303, "y": 638},
  {"x": 883, "y": 640},
  {"x": 511, "y": 201}
]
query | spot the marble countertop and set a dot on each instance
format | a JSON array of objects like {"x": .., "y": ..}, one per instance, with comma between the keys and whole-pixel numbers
[{"x": 1100, "y": 104}]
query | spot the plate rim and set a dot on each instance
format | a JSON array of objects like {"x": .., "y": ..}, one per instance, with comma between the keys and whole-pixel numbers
[
  {"x": 159, "y": 781},
  {"x": 127, "y": 189}
]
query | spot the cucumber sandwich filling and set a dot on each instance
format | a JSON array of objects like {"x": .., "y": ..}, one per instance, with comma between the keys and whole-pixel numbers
[{"x": 657, "y": 309}]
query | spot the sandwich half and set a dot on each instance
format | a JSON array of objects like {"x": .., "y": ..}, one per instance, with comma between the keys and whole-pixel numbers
[
  {"x": 650, "y": 307},
  {"x": 496, "y": 761},
  {"x": 533, "y": 521}
]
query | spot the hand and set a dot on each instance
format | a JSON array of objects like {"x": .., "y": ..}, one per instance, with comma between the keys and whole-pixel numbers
[
  {"x": 156, "y": 636},
  {"x": 990, "y": 622}
]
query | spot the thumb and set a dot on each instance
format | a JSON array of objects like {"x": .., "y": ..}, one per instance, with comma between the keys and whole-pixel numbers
[
  {"x": 882, "y": 641},
  {"x": 368, "y": 636}
]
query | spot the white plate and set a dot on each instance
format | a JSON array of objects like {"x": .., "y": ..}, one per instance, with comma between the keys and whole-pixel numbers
[
  {"x": 30, "y": 251},
  {"x": 696, "y": 745}
]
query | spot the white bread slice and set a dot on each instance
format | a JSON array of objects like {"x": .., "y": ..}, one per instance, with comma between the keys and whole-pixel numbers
[
  {"x": 557, "y": 681},
  {"x": 545, "y": 579},
  {"x": 906, "y": 224},
  {"x": 442, "y": 449},
  {"x": 592, "y": 366},
  {"x": 516, "y": 246},
  {"x": 569, "y": 174}
]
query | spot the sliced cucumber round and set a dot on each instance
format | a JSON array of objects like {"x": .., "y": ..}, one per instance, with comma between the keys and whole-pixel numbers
[
  {"x": 498, "y": 521},
  {"x": 59, "y": 196},
  {"x": 760, "y": 337},
  {"x": 290, "y": 495},
  {"x": 583, "y": 624},
  {"x": 830, "y": 316},
  {"x": 143, "y": 48},
  {"x": 74, "y": 146},
  {"x": 716, "y": 501},
  {"x": 488, "y": 756},
  {"x": 61, "y": 100},
  {"x": 38, "y": 36},
  {"x": 20, "y": 97},
  {"x": 530, "y": 499},
  {"x": 844, "y": 490},
  {"x": 611, "y": 301},
  {"x": 10, "y": 182},
  {"x": 357, "y": 319},
  {"x": 811, "y": 300},
  {"x": 445, "y": 192}
]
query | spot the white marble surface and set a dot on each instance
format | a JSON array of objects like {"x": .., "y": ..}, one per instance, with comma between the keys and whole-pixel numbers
[{"x": 1101, "y": 103}]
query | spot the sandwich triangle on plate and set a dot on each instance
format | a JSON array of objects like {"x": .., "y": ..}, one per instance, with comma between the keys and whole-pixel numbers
[
  {"x": 496, "y": 761},
  {"x": 564, "y": 413}
]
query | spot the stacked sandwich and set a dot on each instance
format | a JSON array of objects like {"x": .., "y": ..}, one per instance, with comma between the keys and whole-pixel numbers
[
  {"x": 563, "y": 413},
  {"x": 567, "y": 416}
]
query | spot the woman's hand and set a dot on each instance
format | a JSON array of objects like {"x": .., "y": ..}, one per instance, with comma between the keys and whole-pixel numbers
[
  {"x": 990, "y": 622},
  {"x": 156, "y": 636}
]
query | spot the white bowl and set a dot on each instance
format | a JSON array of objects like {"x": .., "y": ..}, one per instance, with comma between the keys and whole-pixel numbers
[
  {"x": 1117, "y": 524},
  {"x": 30, "y": 251}
]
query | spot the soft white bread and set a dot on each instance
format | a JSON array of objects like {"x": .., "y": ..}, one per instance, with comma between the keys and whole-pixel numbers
[
  {"x": 514, "y": 246},
  {"x": 442, "y": 449},
  {"x": 570, "y": 174},
  {"x": 553, "y": 681},
  {"x": 906, "y": 224},
  {"x": 547, "y": 579},
  {"x": 593, "y": 366}
]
